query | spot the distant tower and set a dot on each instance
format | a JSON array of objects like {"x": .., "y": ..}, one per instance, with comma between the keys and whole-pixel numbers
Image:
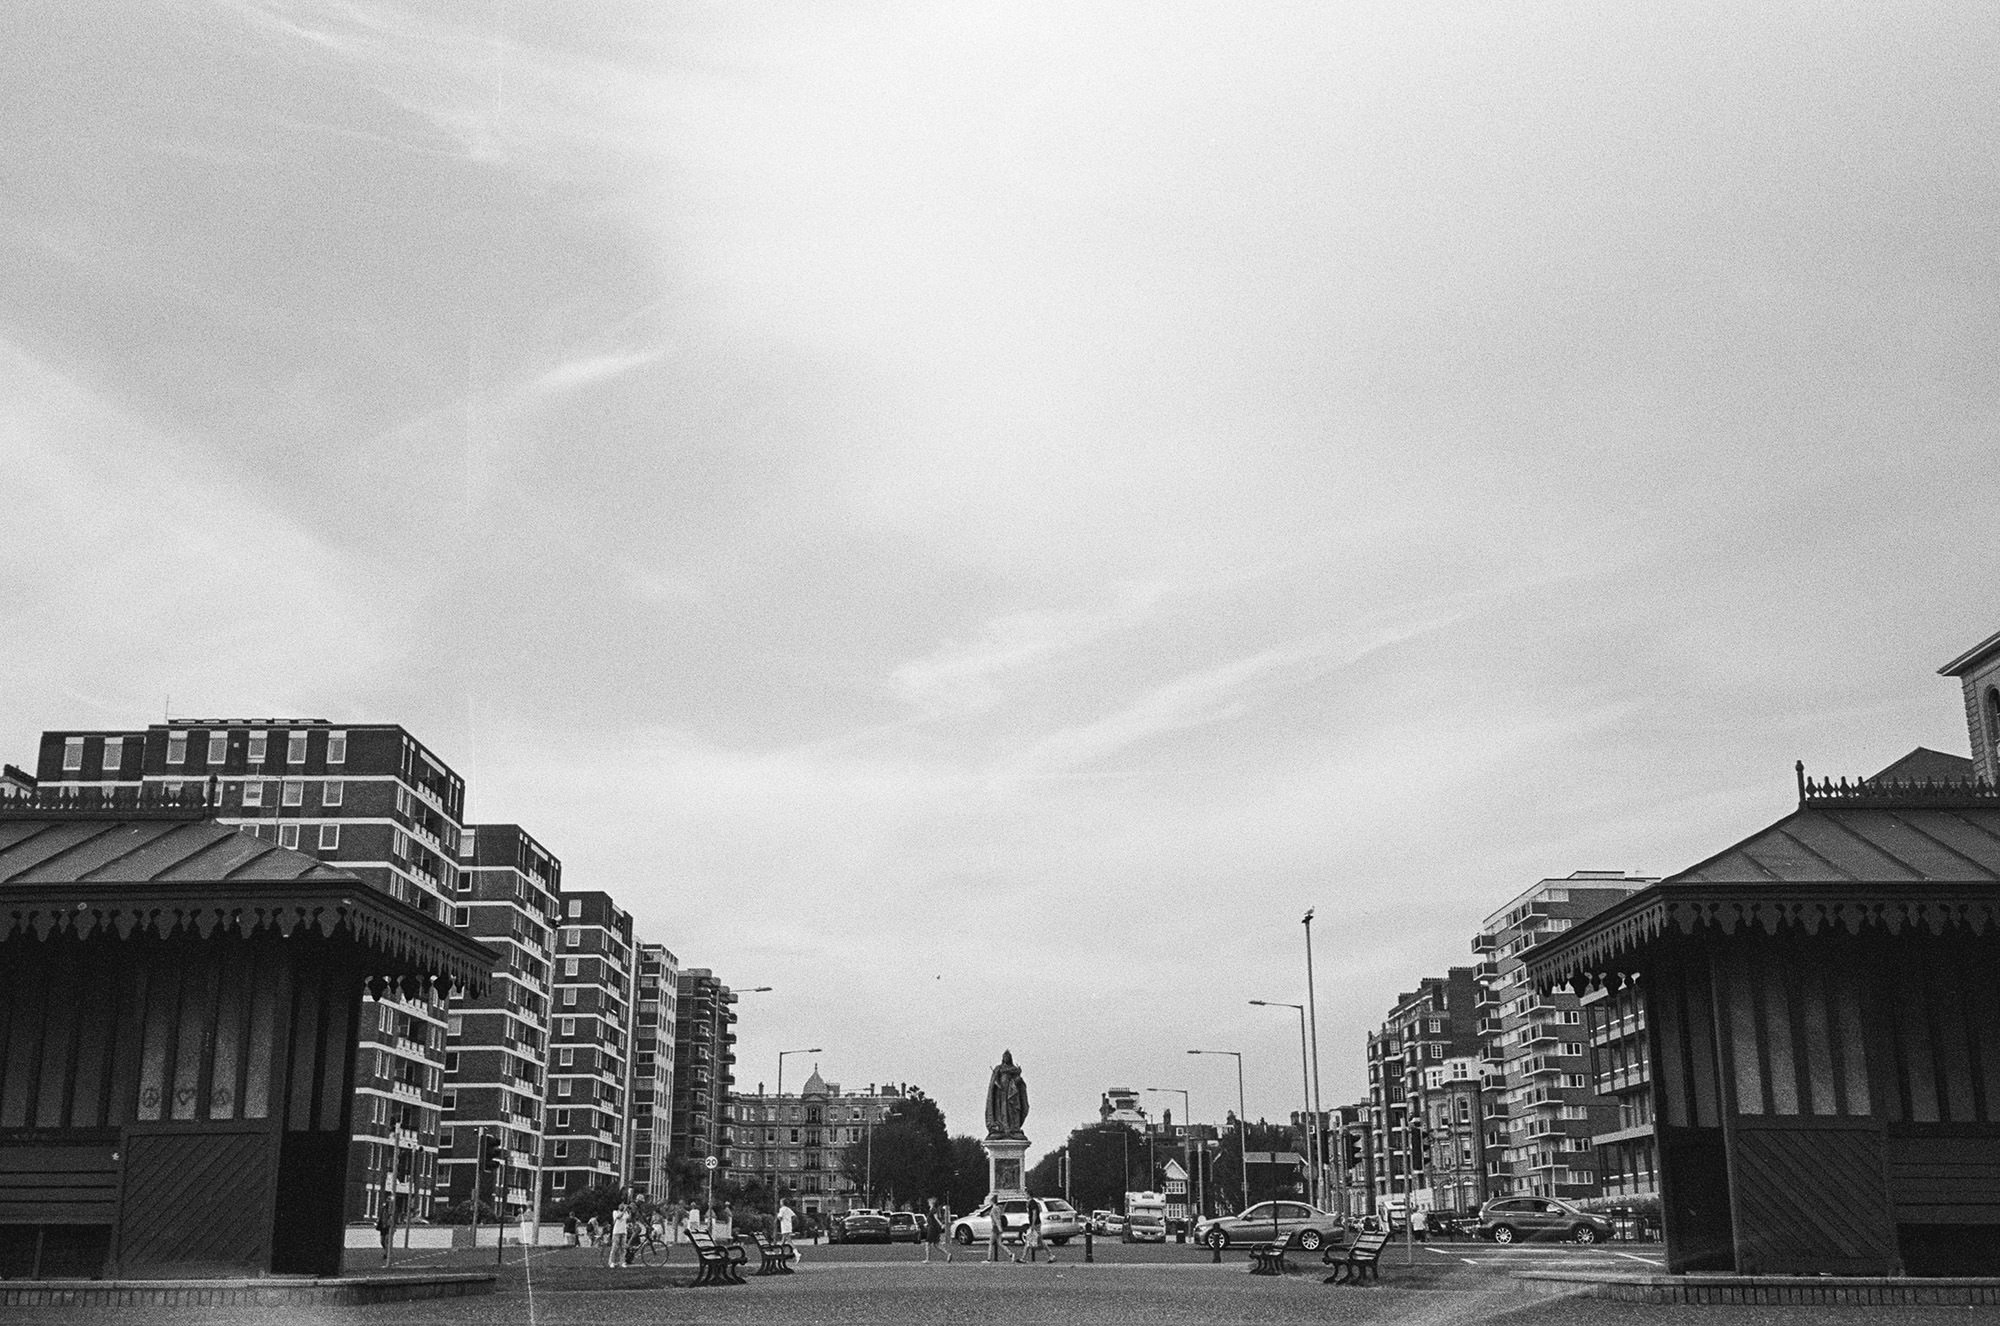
[{"x": 1978, "y": 671}]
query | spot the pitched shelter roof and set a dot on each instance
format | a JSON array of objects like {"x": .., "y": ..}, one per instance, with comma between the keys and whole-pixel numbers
[
  {"x": 1872, "y": 854},
  {"x": 181, "y": 873}
]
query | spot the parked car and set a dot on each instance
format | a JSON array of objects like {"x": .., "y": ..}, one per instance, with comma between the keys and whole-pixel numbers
[
  {"x": 1505, "y": 1219},
  {"x": 1294, "y": 1224},
  {"x": 1060, "y": 1222},
  {"x": 906, "y": 1227},
  {"x": 1100, "y": 1222},
  {"x": 862, "y": 1227}
]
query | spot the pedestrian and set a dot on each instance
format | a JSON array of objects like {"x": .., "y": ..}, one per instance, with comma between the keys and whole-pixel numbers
[
  {"x": 723, "y": 1224},
  {"x": 1031, "y": 1237},
  {"x": 787, "y": 1220},
  {"x": 1420, "y": 1225},
  {"x": 677, "y": 1215},
  {"x": 932, "y": 1231},
  {"x": 996, "y": 1228},
  {"x": 590, "y": 1229},
  {"x": 621, "y": 1234},
  {"x": 569, "y": 1228},
  {"x": 385, "y": 1224}
]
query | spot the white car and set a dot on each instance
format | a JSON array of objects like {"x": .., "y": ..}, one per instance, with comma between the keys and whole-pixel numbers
[{"x": 1060, "y": 1223}]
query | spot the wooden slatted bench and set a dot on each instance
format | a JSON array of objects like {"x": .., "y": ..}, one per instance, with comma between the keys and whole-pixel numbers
[
  {"x": 1268, "y": 1259},
  {"x": 1358, "y": 1260},
  {"x": 718, "y": 1260},
  {"x": 778, "y": 1257}
]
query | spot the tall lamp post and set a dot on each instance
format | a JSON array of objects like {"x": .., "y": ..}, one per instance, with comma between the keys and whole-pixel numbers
[
  {"x": 1242, "y": 1158},
  {"x": 771, "y": 1149},
  {"x": 1187, "y": 1140},
  {"x": 1305, "y": 1079},
  {"x": 1312, "y": 1013}
]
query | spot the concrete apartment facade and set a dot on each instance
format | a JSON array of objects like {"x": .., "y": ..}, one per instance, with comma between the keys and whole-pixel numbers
[
  {"x": 649, "y": 1128},
  {"x": 590, "y": 1046},
  {"x": 704, "y": 1064},
  {"x": 496, "y": 1052},
  {"x": 1543, "y": 1108},
  {"x": 1428, "y": 1027}
]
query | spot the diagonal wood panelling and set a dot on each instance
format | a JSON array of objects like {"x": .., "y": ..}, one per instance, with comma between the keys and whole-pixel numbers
[
  {"x": 1811, "y": 1199},
  {"x": 194, "y": 1202}
]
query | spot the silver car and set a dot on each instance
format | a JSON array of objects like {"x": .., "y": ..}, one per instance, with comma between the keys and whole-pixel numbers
[
  {"x": 1505, "y": 1219},
  {"x": 1060, "y": 1223},
  {"x": 1292, "y": 1223}
]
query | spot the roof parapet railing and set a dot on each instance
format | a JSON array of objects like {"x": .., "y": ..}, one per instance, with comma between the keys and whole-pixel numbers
[
  {"x": 194, "y": 799},
  {"x": 1893, "y": 791}
]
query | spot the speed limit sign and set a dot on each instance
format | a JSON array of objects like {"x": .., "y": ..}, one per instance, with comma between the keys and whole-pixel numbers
[{"x": 710, "y": 1163}]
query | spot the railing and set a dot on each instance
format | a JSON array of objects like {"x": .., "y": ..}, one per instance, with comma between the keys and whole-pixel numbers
[
  {"x": 1871, "y": 791},
  {"x": 192, "y": 799}
]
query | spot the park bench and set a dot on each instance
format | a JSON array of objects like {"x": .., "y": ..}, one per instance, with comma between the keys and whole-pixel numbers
[
  {"x": 718, "y": 1260},
  {"x": 778, "y": 1257},
  {"x": 1357, "y": 1261},
  {"x": 1268, "y": 1259}
]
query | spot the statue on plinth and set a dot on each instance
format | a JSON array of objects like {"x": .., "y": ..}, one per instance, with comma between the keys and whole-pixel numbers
[{"x": 1006, "y": 1099}]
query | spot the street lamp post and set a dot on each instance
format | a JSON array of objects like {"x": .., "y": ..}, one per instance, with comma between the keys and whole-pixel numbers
[
  {"x": 1312, "y": 1013},
  {"x": 1305, "y": 1078},
  {"x": 1187, "y": 1154},
  {"x": 1242, "y": 1159},
  {"x": 772, "y": 1147}
]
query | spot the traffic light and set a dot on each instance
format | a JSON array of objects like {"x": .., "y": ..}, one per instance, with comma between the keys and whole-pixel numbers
[
  {"x": 489, "y": 1151},
  {"x": 1354, "y": 1148}
]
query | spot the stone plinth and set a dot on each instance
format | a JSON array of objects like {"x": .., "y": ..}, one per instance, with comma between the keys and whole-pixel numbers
[{"x": 1004, "y": 1170}]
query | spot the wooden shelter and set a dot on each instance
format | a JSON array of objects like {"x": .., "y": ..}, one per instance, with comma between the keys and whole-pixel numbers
[
  {"x": 1823, "y": 1018},
  {"x": 178, "y": 1005}
]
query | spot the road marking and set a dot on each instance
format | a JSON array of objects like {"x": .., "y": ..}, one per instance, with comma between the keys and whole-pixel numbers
[{"x": 1650, "y": 1261}]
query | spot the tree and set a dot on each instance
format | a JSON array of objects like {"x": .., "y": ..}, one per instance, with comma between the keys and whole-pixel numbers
[
  {"x": 905, "y": 1157},
  {"x": 1106, "y": 1161},
  {"x": 1225, "y": 1182},
  {"x": 967, "y": 1186}
]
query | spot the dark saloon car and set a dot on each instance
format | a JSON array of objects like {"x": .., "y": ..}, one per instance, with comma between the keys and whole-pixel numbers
[
  {"x": 1507, "y": 1219},
  {"x": 865, "y": 1227},
  {"x": 906, "y": 1227}
]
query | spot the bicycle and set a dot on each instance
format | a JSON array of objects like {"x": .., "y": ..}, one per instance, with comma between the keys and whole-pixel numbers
[{"x": 646, "y": 1247}]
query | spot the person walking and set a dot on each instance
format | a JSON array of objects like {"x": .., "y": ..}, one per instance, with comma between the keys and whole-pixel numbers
[
  {"x": 569, "y": 1228},
  {"x": 677, "y": 1215},
  {"x": 621, "y": 1234},
  {"x": 722, "y": 1225},
  {"x": 385, "y": 1224},
  {"x": 1031, "y": 1237},
  {"x": 787, "y": 1221},
  {"x": 932, "y": 1230},
  {"x": 996, "y": 1236}
]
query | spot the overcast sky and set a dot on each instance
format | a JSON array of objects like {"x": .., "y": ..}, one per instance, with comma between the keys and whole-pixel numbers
[{"x": 977, "y": 516}]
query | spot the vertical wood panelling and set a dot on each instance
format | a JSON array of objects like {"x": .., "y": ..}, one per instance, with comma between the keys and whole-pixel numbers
[
  {"x": 1852, "y": 1042},
  {"x": 20, "y": 1020},
  {"x": 1816, "y": 1036},
  {"x": 162, "y": 1004},
  {"x": 191, "y": 1035},
  {"x": 1663, "y": 991},
  {"x": 338, "y": 1107},
  {"x": 303, "y": 1057},
  {"x": 1733, "y": 994},
  {"x": 58, "y": 1063},
  {"x": 1704, "y": 1055},
  {"x": 1982, "y": 996},
  {"x": 1942, "y": 980},
  {"x": 225, "y": 1087},
  {"x": 1780, "y": 1063},
  {"x": 264, "y": 1066},
  {"x": 1916, "y": 1062},
  {"x": 97, "y": 1023}
]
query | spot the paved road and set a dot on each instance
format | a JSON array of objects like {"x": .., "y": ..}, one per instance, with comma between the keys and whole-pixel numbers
[{"x": 1444, "y": 1285}]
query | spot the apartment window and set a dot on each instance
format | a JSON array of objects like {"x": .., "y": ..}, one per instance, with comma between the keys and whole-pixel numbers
[
  {"x": 457, "y": 1024},
  {"x": 451, "y": 1100},
  {"x": 566, "y": 1056},
  {"x": 218, "y": 747},
  {"x": 295, "y": 748},
  {"x": 569, "y": 997},
  {"x": 257, "y": 741},
  {"x": 295, "y": 792},
  {"x": 329, "y": 837},
  {"x": 562, "y": 1150},
  {"x": 253, "y": 791},
  {"x": 331, "y": 794},
  {"x": 177, "y": 748},
  {"x": 451, "y": 1062},
  {"x": 288, "y": 836},
  {"x": 336, "y": 748},
  {"x": 464, "y": 883},
  {"x": 461, "y": 917},
  {"x": 572, "y": 936},
  {"x": 562, "y": 1086},
  {"x": 571, "y": 966},
  {"x": 114, "y": 754},
  {"x": 566, "y": 1026},
  {"x": 576, "y": 907},
  {"x": 562, "y": 1118},
  {"x": 467, "y": 845}
]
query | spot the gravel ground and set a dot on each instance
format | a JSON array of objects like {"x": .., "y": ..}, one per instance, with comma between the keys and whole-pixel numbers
[{"x": 848, "y": 1286}]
